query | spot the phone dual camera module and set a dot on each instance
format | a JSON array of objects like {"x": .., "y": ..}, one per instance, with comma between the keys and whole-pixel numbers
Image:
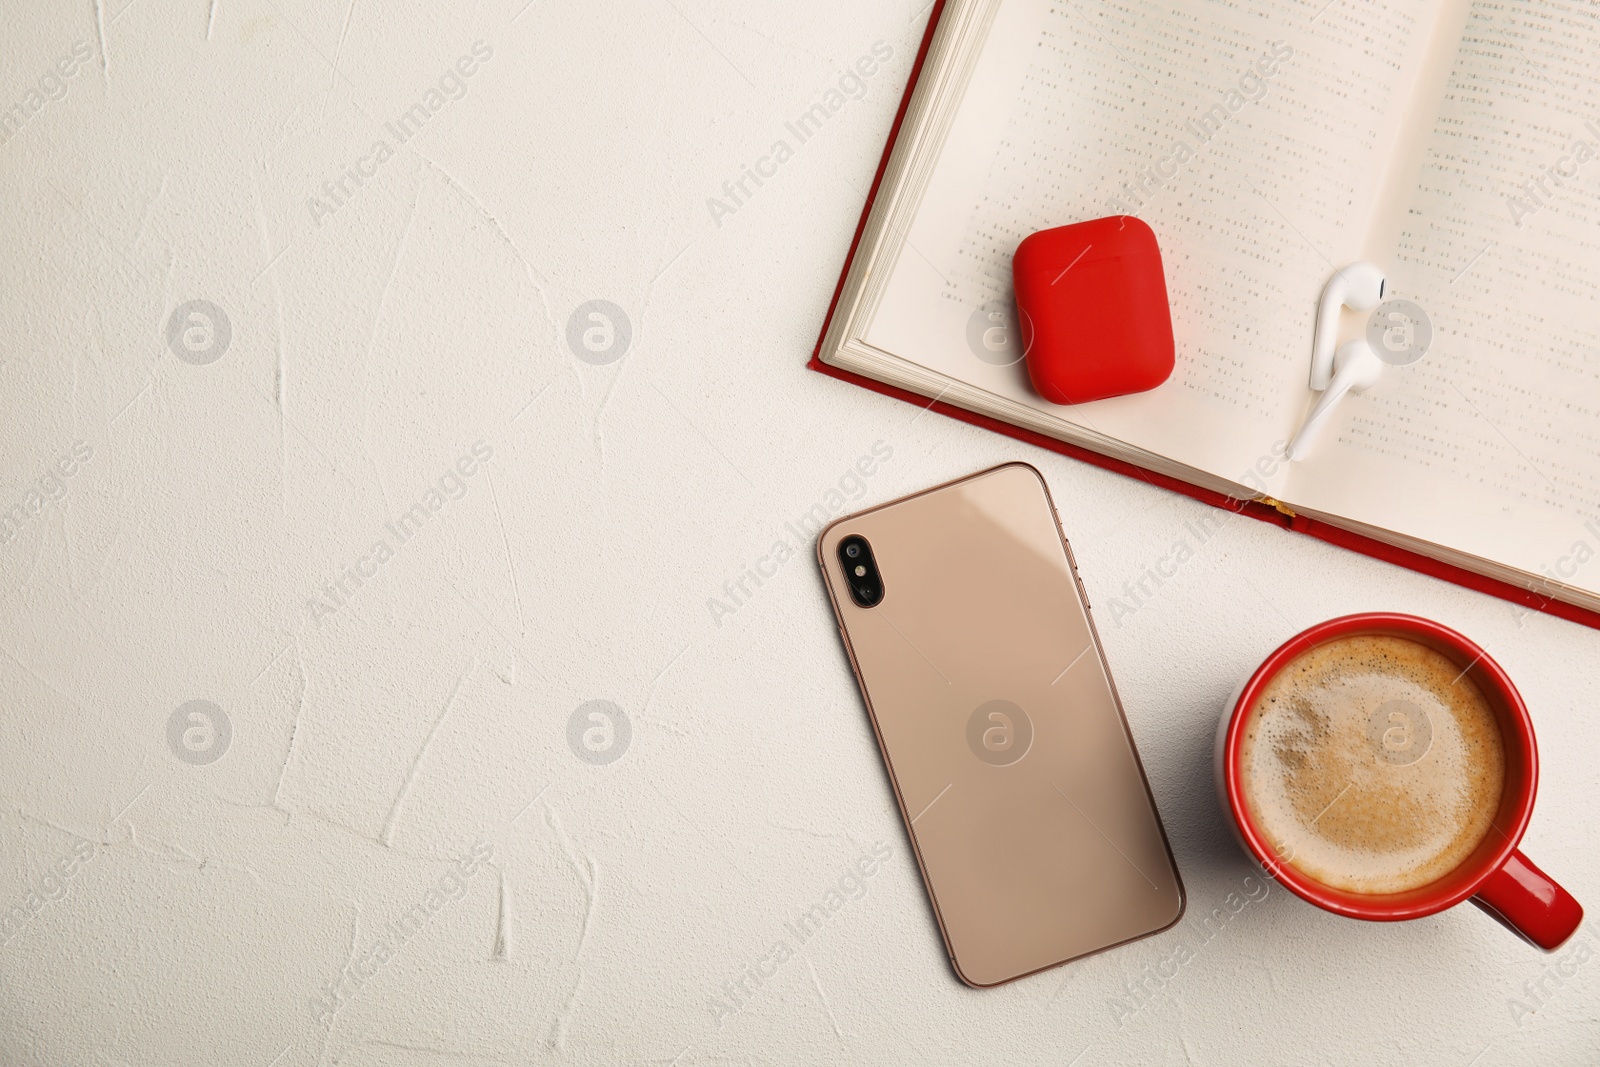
[{"x": 861, "y": 571}]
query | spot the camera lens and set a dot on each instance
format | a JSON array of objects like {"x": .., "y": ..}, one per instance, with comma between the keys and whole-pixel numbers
[{"x": 852, "y": 551}]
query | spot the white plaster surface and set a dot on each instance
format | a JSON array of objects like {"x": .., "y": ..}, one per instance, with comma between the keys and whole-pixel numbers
[{"x": 375, "y": 743}]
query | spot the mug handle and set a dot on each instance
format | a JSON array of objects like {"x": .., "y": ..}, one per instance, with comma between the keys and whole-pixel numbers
[{"x": 1529, "y": 903}]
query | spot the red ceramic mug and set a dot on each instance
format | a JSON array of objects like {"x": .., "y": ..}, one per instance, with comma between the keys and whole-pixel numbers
[{"x": 1497, "y": 877}]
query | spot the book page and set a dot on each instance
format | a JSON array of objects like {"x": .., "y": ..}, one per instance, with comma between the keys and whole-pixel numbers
[
  {"x": 1490, "y": 445},
  {"x": 1250, "y": 136}
]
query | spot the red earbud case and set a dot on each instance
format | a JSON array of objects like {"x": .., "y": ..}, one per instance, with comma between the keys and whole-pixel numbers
[{"x": 1092, "y": 307}]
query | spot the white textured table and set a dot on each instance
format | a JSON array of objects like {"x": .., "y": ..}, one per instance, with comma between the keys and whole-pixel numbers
[{"x": 397, "y": 509}]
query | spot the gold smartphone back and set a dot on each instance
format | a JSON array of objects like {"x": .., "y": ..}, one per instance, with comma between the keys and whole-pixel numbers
[{"x": 1011, "y": 760}]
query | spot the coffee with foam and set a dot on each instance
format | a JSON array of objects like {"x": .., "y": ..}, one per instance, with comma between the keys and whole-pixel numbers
[{"x": 1372, "y": 764}]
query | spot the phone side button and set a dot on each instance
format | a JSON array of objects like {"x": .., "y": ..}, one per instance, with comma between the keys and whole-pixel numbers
[
  {"x": 1083, "y": 590},
  {"x": 1071, "y": 559}
]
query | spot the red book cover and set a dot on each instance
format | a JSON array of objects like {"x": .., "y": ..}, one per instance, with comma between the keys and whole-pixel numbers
[{"x": 1256, "y": 509}]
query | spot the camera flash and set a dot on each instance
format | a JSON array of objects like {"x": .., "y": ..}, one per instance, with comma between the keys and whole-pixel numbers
[{"x": 860, "y": 570}]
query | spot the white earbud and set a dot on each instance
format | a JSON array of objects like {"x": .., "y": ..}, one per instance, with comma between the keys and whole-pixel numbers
[
  {"x": 1358, "y": 286},
  {"x": 1356, "y": 368}
]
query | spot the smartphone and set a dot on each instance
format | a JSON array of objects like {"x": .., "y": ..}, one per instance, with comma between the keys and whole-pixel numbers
[{"x": 1011, "y": 760}]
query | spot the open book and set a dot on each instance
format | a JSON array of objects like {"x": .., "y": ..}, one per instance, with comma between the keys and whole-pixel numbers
[{"x": 1455, "y": 143}]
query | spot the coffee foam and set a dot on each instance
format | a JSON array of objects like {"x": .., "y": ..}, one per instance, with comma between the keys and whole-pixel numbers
[{"x": 1372, "y": 764}]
